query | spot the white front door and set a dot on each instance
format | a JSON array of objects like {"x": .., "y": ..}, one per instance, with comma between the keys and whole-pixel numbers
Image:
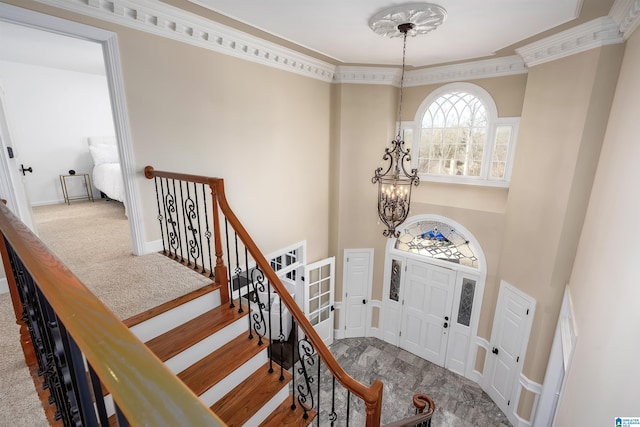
[
  {"x": 318, "y": 297},
  {"x": 426, "y": 314},
  {"x": 357, "y": 285},
  {"x": 510, "y": 334}
]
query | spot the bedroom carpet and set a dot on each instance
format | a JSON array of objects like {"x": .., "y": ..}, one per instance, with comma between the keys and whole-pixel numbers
[{"x": 93, "y": 240}]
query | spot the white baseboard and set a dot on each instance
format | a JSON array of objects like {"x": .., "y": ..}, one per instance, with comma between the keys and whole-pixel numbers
[
  {"x": 4, "y": 286},
  {"x": 151, "y": 247}
]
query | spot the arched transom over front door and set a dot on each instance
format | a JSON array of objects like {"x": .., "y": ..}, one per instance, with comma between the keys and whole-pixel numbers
[{"x": 434, "y": 281}]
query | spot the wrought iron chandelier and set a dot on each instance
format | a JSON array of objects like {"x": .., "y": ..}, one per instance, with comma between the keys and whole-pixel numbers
[{"x": 394, "y": 180}]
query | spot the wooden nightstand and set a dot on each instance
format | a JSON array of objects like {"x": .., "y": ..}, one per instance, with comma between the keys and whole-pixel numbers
[{"x": 87, "y": 184}]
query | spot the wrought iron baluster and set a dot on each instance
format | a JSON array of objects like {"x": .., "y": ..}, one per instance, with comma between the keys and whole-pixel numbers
[
  {"x": 333, "y": 416},
  {"x": 191, "y": 214},
  {"x": 97, "y": 392},
  {"x": 237, "y": 271},
  {"x": 226, "y": 236},
  {"x": 260, "y": 324},
  {"x": 294, "y": 331},
  {"x": 281, "y": 341},
  {"x": 160, "y": 217},
  {"x": 348, "y": 406},
  {"x": 195, "y": 193},
  {"x": 318, "y": 392},
  {"x": 184, "y": 243},
  {"x": 306, "y": 353},
  {"x": 171, "y": 208},
  {"x": 165, "y": 197},
  {"x": 207, "y": 233}
]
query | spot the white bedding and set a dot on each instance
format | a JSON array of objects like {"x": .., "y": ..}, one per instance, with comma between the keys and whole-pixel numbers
[{"x": 107, "y": 176}]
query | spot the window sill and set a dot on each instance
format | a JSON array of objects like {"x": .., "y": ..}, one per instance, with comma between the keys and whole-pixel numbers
[{"x": 463, "y": 180}]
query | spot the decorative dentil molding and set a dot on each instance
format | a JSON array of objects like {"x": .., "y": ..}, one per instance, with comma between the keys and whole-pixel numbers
[
  {"x": 596, "y": 33},
  {"x": 168, "y": 21},
  {"x": 626, "y": 13},
  {"x": 449, "y": 73}
]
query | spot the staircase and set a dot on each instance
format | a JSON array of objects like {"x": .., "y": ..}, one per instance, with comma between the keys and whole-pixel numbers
[{"x": 212, "y": 352}]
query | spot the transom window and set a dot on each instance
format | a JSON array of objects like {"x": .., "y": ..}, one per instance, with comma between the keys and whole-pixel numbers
[{"x": 457, "y": 137}]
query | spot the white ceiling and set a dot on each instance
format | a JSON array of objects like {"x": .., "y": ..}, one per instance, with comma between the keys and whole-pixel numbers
[{"x": 337, "y": 29}]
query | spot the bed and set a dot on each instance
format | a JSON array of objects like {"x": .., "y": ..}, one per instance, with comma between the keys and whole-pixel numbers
[{"x": 107, "y": 175}]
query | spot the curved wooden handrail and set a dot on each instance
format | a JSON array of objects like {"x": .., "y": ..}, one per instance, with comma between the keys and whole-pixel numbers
[
  {"x": 420, "y": 401},
  {"x": 145, "y": 390},
  {"x": 372, "y": 395}
]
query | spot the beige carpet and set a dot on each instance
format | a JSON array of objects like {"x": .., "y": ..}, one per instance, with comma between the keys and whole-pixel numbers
[{"x": 93, "y": 240}]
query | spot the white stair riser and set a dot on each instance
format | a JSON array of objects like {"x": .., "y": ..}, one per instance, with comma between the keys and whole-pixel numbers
[
  {"x": 168, "y": 320},
  {"x": 199, "y": 350},
  {"x": 218, "y": 391}
]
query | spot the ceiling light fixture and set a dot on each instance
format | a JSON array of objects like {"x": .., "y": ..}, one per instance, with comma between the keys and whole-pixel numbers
[{"x": 395, "y": 183}]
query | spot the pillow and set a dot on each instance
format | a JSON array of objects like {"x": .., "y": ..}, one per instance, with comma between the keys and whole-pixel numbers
[{"x": 102, "y": 153}]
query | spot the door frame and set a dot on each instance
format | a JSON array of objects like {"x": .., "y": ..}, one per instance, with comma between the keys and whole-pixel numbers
[
  {"x": 479, "y": 275},
  {"x": 109, "y": 42}
]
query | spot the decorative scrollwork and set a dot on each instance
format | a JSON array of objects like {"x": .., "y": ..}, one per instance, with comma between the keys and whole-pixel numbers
[
  {"x": 173, "y": 235},
  {"x": 307, "y": 360},
  {"x": 192, "y": 214},
  {"x": 259, "y": 321}
]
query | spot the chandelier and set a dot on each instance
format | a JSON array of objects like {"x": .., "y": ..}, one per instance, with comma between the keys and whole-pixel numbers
[{"x": 394, "y": 180}]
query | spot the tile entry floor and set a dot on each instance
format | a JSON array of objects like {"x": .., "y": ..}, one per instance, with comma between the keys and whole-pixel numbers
[{"x": 459, "y": 401}]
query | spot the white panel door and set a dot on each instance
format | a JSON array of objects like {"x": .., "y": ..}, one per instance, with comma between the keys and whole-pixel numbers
[
  {"x": 511, "y": 327},
  {"x": 357, "y": 285},
  {"x": 427, "y": 299},
  {"x": 392, "y": 309},
  {"x": 318, "y": 300}
]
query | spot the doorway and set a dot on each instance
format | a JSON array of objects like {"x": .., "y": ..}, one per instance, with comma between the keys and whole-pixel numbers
[
  {"x": 432, "y": 292},
  {"x": 107, "y": 40}
]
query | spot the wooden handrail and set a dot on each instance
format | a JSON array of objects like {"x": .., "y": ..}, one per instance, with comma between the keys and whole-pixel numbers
[
  {"x": 420, "y": 401},
  {"x": 145, "y": 390},
  {"x": 372, "y": 395}
]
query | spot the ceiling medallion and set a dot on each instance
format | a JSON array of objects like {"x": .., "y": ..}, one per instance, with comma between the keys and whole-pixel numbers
[{"x": 425, "y": 17}]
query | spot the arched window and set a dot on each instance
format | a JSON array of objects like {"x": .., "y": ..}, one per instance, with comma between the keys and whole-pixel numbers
[
  {"x": 457, "y": 137},
  {"x": 436, "y": 239}
]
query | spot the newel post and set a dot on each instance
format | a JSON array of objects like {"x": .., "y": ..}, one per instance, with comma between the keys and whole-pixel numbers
[
  {"x": 220, "y": 270},
  {"x": 374, "y": 409}
]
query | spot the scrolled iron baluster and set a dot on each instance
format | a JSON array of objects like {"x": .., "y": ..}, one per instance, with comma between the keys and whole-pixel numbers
[
  {"x": 258, "y": 317},
  {"x": 191, "y": 214},
  {"x": 173, "y": 235},
  {"x": 305, "y": 392},
  {"x": 160, "y": 217},
  {"x": 208, "y": 234},
  {"x": 332, "y": 415}
]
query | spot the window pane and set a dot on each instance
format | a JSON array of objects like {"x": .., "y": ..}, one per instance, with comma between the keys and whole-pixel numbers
[
  {"x": 466, "y": 301},
  {"x": 500, "y": 151},
  {"x": 396, "y": 272}
]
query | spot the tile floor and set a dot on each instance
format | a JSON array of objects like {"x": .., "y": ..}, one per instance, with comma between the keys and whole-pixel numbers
[{"x": 459, "y": 401}]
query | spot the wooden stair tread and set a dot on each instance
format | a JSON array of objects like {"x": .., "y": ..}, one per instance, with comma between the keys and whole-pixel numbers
[
  {"x": 213, "y": 368},
  {"x": 163, "y": 308},
  {"x": 285, "y": 416},
  {"x": 195, "y": 330},
  {"x": 241, "y": 403}
]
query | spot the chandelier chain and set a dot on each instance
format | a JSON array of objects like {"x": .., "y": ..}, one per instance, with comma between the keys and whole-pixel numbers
[{"x": 404, "y": 55}]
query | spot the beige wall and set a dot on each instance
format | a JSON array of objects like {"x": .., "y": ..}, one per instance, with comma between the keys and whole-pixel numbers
[
  {"x": 558, "y": 147},
  {"x": 602, "y": 381}
]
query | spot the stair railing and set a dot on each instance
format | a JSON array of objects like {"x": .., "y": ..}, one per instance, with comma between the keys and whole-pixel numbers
[
  {"x": 81, "y": 348},
  {"x": 251, "y": 283}
]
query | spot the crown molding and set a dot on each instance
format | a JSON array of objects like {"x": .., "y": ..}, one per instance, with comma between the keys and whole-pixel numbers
[
  {"x": 168, "y": 21},
  {"x": 599, "y": 32},
  {"x": 626, "y": 13},
  {"x": 496, "y": 67}
]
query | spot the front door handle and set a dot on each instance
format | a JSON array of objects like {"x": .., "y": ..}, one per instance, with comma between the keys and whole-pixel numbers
[
  {"x": 23, "y": 170},
  {"x": 446, "y": 325},
  {"x": 494, "y": 351},
  {"x": 364, "y": 301}
]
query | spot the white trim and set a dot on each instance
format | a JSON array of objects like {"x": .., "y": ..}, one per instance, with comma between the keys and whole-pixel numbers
[
  {"x": 590, "y": 35},
  {"x": 626, "y": 13},
  {"x": 373, "y": 331},
  {"x": 476, "y": 375},
  {"x": 532, "y": 387},
  {"x": 4, "y": 285},
  {"x": 109, "y": 43},
  {"x": 153, "y": 246},
  {"x": 164, "y": 20}
]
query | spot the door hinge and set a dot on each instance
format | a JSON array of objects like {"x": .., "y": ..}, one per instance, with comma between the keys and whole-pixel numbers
[
  {"x": 347, "y": 259},
  {"x": 400, "y": 333},
  {"x": 402, "y": 302},
  {"x": 527, "y": 311},
  {"x": 10, "y": 152},
  {"x": 517, "y": 359},
  {"x": 508, "y": 403},
  {"x": 332, "y": 308}
]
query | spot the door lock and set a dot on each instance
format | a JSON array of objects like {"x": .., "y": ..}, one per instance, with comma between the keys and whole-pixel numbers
[{"x": 446, "y": 325}]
